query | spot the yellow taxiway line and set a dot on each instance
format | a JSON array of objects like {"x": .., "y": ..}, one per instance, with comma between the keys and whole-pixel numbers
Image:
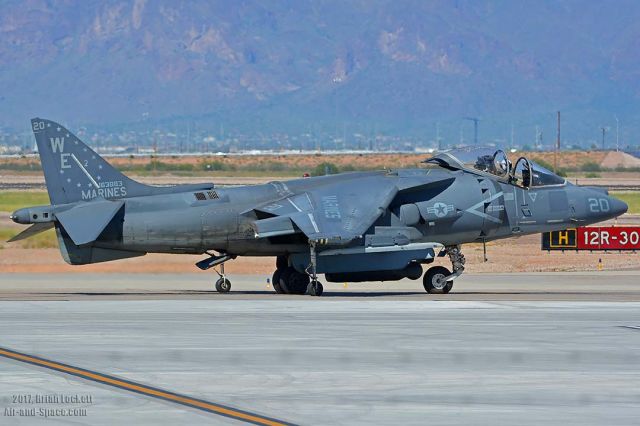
[{"x": 143, "y": 389}]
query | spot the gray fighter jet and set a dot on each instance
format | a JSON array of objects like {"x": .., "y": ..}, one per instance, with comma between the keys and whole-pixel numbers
[{"x": 351, "y": 227}]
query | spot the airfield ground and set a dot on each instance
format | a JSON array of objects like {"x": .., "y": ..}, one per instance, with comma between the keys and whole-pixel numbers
[
  {"x": 609, "y": 286},
  {"x": 350, "y": 359},
  {"x": 514, "y": 348}
]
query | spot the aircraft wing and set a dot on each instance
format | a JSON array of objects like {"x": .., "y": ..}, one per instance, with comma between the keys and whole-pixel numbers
[{"x": 335, "y": 213}]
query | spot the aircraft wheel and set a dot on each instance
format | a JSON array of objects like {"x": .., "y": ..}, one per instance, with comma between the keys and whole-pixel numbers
[
  {"x": 434, "y": 282},
  {"x": 293, "y": 281},
  {"x": 275, "y": 281},
  {"x": 315, "y": 288},
  {"x": 284, "y": 280},
  {"x": 223, "y": 285},
  {"x": 448, "y": 287},
  {"x": 282, "y": 262}
]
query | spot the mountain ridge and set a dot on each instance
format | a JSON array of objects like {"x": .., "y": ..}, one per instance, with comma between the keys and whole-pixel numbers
[{"x": 397, "y": 67}]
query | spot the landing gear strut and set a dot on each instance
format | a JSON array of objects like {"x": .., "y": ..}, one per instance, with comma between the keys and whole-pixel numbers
[
  {"x": 438, "y": 279},
  {"x": 314, "y": 288},
  {"x": 223, "y": 285}
]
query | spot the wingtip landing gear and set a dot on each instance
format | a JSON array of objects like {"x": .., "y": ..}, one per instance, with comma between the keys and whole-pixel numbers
[
  {"x": 315, "y": 287},
  {"x": 223, "y": 285}
]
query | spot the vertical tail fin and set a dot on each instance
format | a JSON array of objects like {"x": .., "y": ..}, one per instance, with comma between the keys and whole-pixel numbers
[{"x": 74, "y": 172}]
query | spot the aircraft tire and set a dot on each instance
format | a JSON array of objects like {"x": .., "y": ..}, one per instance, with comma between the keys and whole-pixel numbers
[
  {"x": 223, "y": 285},
  {"x": 433, "y": 283},
  {"x": 282, "y": 262},
  {"x": 294, "y": 281},
  {"x": 275, "y": 281},
  {"x": 315, "y": 288},
  {"x": 283, "y": 280}
]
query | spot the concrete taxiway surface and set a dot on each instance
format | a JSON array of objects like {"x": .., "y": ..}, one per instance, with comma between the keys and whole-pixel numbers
[
  {"x": 328, "y": 361},
  {"x": 567, "y": 286},
  {"x": 503, "y": 349}
]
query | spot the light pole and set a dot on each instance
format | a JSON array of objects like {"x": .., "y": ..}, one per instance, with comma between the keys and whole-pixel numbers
[{"x": 604, "y": 130}]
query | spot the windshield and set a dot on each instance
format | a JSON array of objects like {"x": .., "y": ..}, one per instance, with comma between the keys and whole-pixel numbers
[
  {"x": 543, "y": 177},
  {"x": 529, "y": 173}
]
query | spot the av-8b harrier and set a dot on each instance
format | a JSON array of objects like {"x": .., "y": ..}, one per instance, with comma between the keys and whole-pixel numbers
[{"x": 351, "y": 227}]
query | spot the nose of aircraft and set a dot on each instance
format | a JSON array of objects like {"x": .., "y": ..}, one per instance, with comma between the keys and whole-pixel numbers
[
  {"x": 597, "y": 205},
  {"x": 618, "y": 207}
]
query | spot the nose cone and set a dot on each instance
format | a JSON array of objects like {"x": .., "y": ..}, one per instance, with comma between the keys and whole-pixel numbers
[
  {"x": 618, "y": 207},
  {"x": 596, "y": 206}
]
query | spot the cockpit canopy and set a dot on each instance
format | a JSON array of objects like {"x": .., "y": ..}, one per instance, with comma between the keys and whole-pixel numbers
[{"x": 525, "y": 173}]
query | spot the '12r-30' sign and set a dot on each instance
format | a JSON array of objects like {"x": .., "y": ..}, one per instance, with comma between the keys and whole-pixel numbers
[{"x": 593, "y": 238}]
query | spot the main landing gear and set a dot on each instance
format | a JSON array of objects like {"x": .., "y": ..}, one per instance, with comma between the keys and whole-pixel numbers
[
  {"x": 438, "y": 279},
  {"x": 286, "y": 280}
]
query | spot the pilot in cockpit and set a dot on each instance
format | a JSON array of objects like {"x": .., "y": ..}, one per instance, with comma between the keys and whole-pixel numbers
[
  {"x": 523, "y": 173},
  {"x": 485, "y": 163},
  {"x": 526, "y": 177}
]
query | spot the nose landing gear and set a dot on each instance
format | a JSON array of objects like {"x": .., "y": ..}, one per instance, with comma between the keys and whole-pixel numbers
[
  {"x": 438, "y": 279},
  {"x": 435, "y": 280}
]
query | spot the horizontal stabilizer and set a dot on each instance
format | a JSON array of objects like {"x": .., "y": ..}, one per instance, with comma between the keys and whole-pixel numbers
[
  {"x": 32, "y": 230},
  {"x": 85, "y": 222}
]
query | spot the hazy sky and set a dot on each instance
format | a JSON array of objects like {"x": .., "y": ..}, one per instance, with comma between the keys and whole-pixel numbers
[{"x": 397, "y": 67}]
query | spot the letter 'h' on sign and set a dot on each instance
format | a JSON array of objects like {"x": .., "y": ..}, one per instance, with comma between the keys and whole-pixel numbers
[{"x": 563, "y": 238}]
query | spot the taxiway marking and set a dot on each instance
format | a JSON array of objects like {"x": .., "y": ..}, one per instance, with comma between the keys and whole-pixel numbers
[{"x": 143, "y": 389}]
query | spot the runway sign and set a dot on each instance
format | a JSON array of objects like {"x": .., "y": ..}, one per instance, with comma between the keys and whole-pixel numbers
[{"x": 593, "y": 238}]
